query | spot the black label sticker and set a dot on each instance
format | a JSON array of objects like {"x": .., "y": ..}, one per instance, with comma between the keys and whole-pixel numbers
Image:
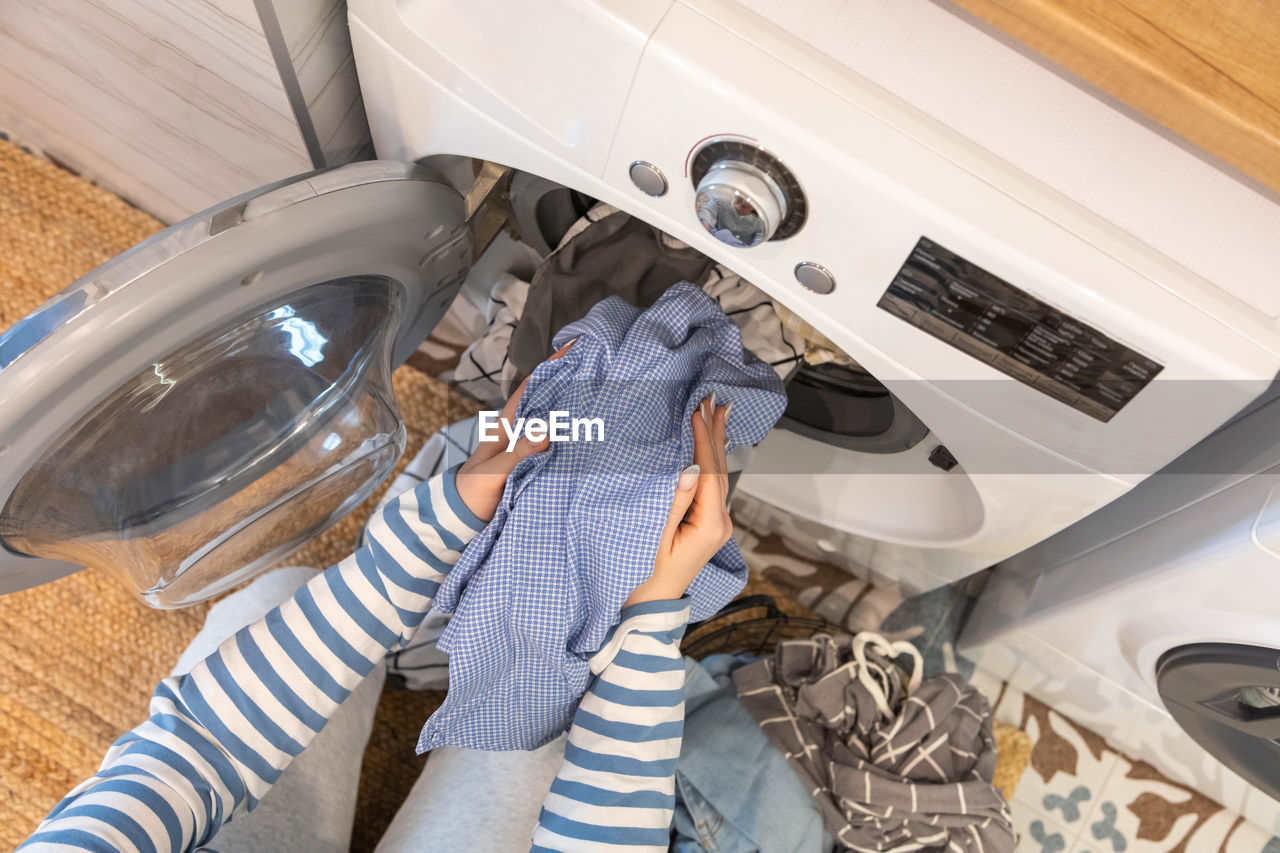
[{"x": 984, "y": 316}]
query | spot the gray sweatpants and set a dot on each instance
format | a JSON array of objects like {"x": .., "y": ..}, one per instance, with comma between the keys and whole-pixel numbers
[{"x": 465, "y": 800}]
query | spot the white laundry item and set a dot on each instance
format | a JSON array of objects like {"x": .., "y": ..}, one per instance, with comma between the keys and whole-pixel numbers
[
  {"x": 819, "y": 349},
  {"x": 457, "y": 330},
  {"x": 756, "y": 316},
  {"x": 484, "y": 370}
]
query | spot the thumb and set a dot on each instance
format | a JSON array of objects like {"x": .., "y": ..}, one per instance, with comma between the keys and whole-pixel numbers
[
  {"x": 524, "y": 447},
  {"x": 686, "y": 488},
  {"x": 501, "y": 464}
]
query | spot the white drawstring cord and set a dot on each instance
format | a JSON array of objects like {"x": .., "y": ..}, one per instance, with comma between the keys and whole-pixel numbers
[{"x": 889, "y": 650}]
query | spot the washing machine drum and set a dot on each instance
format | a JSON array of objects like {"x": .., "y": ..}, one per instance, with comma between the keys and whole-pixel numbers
[
  {"x": 187, "y": 414},
  {"x": 1227, "y": 697}
]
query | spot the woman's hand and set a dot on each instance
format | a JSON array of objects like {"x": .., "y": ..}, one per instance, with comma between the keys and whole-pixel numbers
[
  {"x": 482, "y": 477},
  {"x": 699, "y": 523}
]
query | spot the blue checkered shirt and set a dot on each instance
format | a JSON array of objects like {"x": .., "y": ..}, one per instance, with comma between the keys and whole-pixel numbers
[{"x": 577, "y": 529}]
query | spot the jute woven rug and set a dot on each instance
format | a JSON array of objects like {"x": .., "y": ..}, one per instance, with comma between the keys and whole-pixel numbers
[{"x": 80, "y": 656}]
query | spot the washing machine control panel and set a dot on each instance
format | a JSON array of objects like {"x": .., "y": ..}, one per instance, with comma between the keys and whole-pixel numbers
[
  {"x": 745, "y": 195},
  {"x": 983, "y": 315}
]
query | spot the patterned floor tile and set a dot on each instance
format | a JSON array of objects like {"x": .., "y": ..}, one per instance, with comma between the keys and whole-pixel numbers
[
  {"x": 1039, "y": 833},
  {"x": 1006, "y": 700},
  {"x": 852, "y": 603},
  {"x": 1245, "y": 837},
  {"x": 1069, "y": 768},
  {"x": 1147, "y": 812},
  {"x": 933, "y": 621},
  {"x": 1101, "y": 801}
]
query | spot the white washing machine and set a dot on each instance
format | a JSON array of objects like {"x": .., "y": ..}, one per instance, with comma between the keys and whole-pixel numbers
[
  {"x": 1155, "y": 621},
  {"x": 1061, "y": 298}
]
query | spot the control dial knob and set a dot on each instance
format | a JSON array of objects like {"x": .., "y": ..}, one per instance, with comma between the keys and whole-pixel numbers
[{"x": 745, "y": 195}]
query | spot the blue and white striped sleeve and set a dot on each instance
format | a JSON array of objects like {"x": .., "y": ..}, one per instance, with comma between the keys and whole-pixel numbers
[
  {"x": 616, "y": 788},
  {"x": 220, "y": 736}
]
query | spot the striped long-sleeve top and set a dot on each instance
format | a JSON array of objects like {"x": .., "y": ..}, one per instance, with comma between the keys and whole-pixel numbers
[{"x": 221, "y": 735}]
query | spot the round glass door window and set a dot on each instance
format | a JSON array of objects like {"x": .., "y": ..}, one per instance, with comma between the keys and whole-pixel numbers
[{"x": 224, "y": 455}]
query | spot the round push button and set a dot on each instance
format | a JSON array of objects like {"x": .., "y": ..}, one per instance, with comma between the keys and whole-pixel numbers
[
  {"x": 648, "y": 178},
  {"x": 815, "y": 277}
]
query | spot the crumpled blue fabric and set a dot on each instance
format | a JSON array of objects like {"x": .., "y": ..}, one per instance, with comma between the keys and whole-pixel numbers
[
  {"x": 735, "y": 791},
  {"x": 577, "y": 528}
]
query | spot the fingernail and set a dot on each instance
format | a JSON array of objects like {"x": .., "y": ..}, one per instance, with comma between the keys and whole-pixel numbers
[
  {"x": 726, "y": 448},
  {"x": 728, "y": 407},
  {"x": 708, "y": 411},
  {"x": 688, "y": 478}
]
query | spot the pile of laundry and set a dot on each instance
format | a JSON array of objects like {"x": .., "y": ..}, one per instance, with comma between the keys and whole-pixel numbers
[
  {"x": 881, "y": 761},
  {"x": 604, "y": 253}
]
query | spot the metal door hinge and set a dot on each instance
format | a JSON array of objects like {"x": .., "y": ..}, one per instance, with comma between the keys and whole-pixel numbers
[
  {"x": 488, "y": 205},
  {"x": 487, "y": 209}
]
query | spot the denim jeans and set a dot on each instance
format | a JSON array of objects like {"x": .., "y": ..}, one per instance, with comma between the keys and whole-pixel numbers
[{"x": 735, "y": 792}]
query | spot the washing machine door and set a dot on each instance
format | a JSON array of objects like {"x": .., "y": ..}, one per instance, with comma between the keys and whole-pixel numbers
[
  {"x": 186, "y": 414},
  {"x": 1227, "y": 697}
]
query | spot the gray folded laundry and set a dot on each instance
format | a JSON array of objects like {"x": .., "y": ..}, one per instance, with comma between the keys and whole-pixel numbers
[
  {"x": 617, "y": 255},
  {"x": 918, "y": 779}
]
